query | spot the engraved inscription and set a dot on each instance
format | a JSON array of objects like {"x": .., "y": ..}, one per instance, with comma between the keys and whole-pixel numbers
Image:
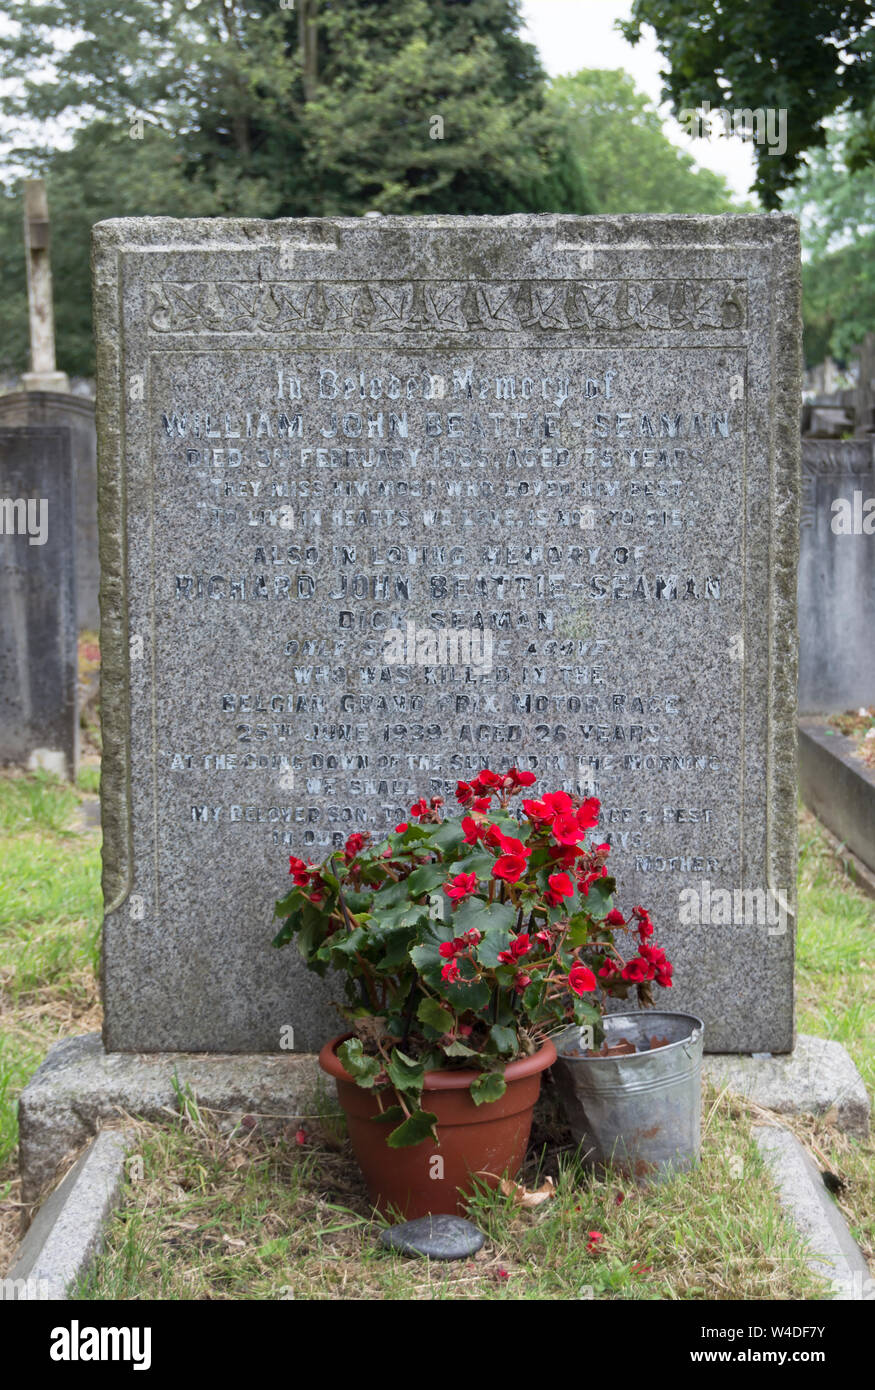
[{"x": 437, "y": 307}]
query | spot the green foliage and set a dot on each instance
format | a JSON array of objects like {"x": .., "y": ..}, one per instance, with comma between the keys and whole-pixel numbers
[
  {"x": 836, "y": 211},
  {"x": 808, "y": 59},
  {"x": 630, "y": 164},
  {"x": 473, "y": 938},
  {"x": 217, "y": 109},
  {"x": 489, "y": 1086}
]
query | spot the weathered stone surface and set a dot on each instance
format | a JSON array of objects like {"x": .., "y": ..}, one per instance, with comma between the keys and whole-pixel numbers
[
  {"x": 578, "y": 436},
  {"x": 835, "y": 1255},
  {"x": 837, "y": 576},
  {"x": 38, "y": 654},
  {"x": 77, "y": 413},
  {"x": 67, "y": 1231},
  {"x": 438, "y": 1237},
  {"x": 80, "y": 1086},
  {"x": 838, "y": 786},
  {"x": 817, "y": 1078}
]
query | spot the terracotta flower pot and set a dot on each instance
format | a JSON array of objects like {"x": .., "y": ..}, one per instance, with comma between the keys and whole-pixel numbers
[{"x": 475, "y": 1140}]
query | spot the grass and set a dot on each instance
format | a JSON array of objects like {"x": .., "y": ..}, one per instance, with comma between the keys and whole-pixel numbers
[
  {"x": 835, "y": 998},
  {"x": 49, "y": 923},
  {"x": 245, "y": 1215}
]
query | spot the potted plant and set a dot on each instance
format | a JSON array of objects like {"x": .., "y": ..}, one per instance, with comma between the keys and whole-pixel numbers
[{"x": 465, "y": 942}]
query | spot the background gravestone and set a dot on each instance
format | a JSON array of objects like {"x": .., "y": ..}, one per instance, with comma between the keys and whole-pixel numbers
[
  {"x": 38, "y": 647},
  {"x": 836, "y": 579},
  {"x": 76, "y": 412},
  {"x": 581, "y": 434}
]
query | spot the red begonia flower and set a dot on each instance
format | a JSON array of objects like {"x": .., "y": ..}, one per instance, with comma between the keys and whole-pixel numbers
[{"x": 581, "y": 979}]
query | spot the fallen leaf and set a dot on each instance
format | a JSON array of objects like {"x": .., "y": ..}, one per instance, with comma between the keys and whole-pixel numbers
[{"x": 523, "y": 1197}]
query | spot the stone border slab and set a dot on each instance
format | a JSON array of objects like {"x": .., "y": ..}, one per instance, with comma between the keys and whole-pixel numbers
[
  {"x": 80, "y": 1087},
  {"x": 835, "y": 1254},
  {"x": 817, "y": 1077},
  {"x": 67, "y": 1232},
  {"x": 838, "y": 787}
]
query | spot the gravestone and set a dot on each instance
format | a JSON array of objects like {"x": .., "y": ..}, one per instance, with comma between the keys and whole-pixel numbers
[
  {"x": 864, "y": 392},
  {"x": 38, "y": 648},
  {"x": 837, "y": 576},
  {"x": 575, "y": 437},
  {"x": 77, "y": 413}
]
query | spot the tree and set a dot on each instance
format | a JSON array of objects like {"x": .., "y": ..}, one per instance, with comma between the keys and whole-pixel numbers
[
  {"x": 836, "y": 212},
  {"x": 808, "y": 59},
  {"x": 246, "y": 108},
  {"x": 629, "y": 163},
  {"x": 336, "y": 106}
]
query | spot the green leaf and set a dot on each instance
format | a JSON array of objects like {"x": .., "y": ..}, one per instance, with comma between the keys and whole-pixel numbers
[
  {"x": 364, "y": 1070},
  {"x": 448, "y": 836},
  {"x": 580, "y": 928},
  {"x": 489, "y": 1086},
  {"x": 421, "y": 1125},
  {"x": 348, "y": 944},
  {"x": 390, "y": 896},
  {"x": 474, "y": 996},
  {"x": 470, "y": 913},
  {"x": 287, "y": 930},
  {"x": 425, "y": 879},
  {"x": 426, "y": 956},
  {"x": 429, "y": 962},
  {"x": 312, "y": 930},
  {"x": 480, "y": 862},
  {"x": 598, "y": 899},
  {"x": 405, "y": 1073},
  {"x": 407, "y": 914},
  {"x": 497, "y": 928},
  {"x": 396, "y": 947},
  {"x": 357, "y": 902},
  {"x": 505, "y": 1039},
  {"x": 391, "y": 1113},
  {"x": 434, "y": 1015},
  {"x": 460, "y": 1049},
  {"x": 412, "y": 833},
  {"x": 293, "y": 899}
]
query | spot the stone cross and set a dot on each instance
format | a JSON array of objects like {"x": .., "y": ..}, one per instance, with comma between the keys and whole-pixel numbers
[{"x": 43, "y": 375}]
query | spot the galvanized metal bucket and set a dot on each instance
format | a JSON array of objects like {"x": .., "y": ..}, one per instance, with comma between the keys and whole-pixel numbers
[{"x": 640, "y": 1113}]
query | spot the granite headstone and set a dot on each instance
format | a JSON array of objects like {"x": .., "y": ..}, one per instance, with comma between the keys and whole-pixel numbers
[
  {"x": 76, "y": 412},
  {"x": 38, "y": 648},
  {"x": 837, "y": 576},
  {"x": 569, "y": 443}
]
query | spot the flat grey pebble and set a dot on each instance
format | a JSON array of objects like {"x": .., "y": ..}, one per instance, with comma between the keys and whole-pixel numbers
[{"x": 440, "y": 1237}]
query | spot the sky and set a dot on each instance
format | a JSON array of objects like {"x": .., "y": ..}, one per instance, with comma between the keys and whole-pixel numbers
[{"x": 574, "y": 34}]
